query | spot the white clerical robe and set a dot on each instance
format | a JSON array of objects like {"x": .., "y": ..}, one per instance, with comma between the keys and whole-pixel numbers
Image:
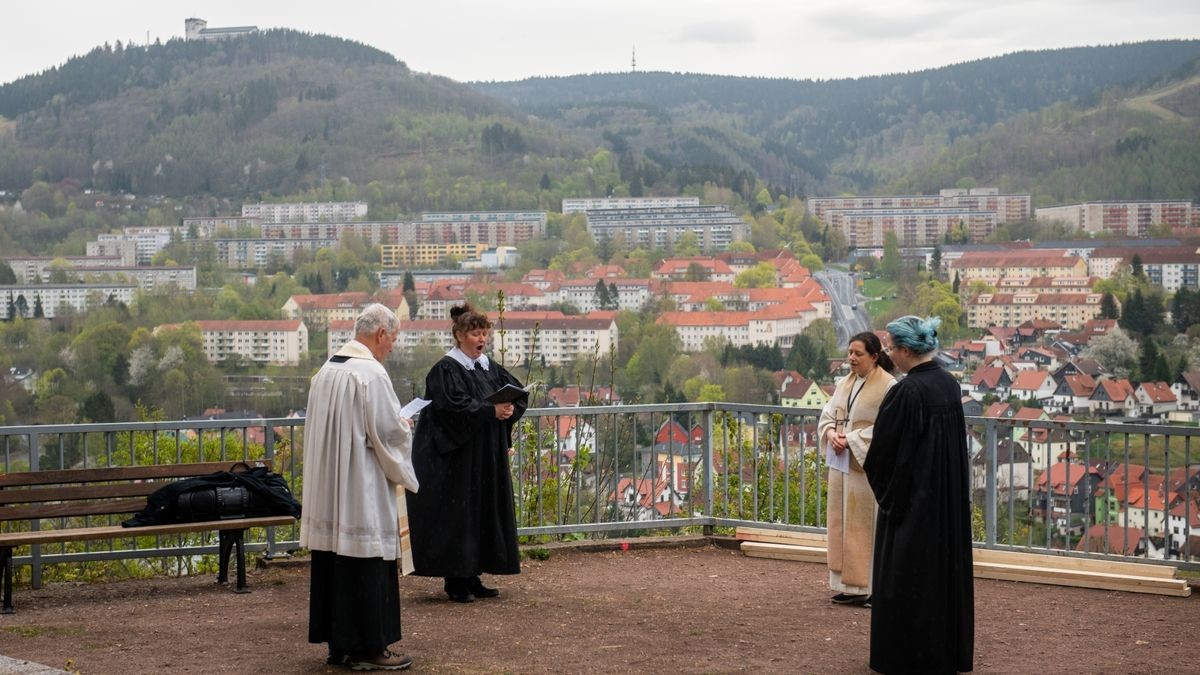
[
  {"x": 357, "y": 450},
  {"x": 851, "y": 504}
]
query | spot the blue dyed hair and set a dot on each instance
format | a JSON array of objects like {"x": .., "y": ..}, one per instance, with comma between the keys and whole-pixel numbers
[{"x": 917, "y": 334}]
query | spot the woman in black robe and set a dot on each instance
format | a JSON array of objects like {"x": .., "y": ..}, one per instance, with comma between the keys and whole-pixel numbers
[
  {"x": 462, "y": 522},
  {"x": 923, "y": 604}
]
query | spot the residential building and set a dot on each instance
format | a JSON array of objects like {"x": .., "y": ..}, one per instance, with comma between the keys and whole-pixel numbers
[
  {"x": 1187, "y": 390},
  {"x": 1155, "y": 399},
  {"x": 1066, "y": 488},
  {"x": 374, "y": 232},
  {"x": 581, "y": 205},
  {"x": 1069, "y": 310},
  {"x": 801, "y": 392},
  {"x": 24, "y": 299},
  {"x": 1016, "y": 265},
  {"x": 319, "y": 311},
  {"x": 769, "y": 326},
  {"x": 547, "y": 338},
  {"x": 1114, "y": 398},
  {"x": 1009, "y": 208},
  {"x": 1122, "y": 218},
  {"x": 255, "y": 253},
  {"x": 1073, "y": 394},
  {"x": 305, "y": 212},
  {"x": 207, "y": 227},
  {"x": 583, "y": 295},
  {"x": 868, "y": 228},
  {"x": 39, "y": 269},
  {"x": 715, "y": 227},
  {"x": 428, "y": 255},
  {"x": 1034, "y": 385},
  {"x": 271, "y": 342},
  {"x": 494, "y": 228}
]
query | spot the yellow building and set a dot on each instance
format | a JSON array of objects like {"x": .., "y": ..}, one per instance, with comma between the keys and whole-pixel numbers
[
  {"x": 395, "y": 256},
  {"x": 1069, "y": 310}
]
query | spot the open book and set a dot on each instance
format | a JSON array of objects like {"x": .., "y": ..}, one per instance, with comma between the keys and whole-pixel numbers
[{"x": 509, "y": 393}]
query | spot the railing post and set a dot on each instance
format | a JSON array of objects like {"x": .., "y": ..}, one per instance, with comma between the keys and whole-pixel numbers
[
  {"x": 708, "y": 469},
  {"x": 269, "y": 453},
  {"x": 989, "y": 505},
  {"x": 35, "y": 551}
]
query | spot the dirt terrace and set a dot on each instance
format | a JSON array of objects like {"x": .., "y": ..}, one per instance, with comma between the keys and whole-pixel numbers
[{"x": 697, "y": 608}]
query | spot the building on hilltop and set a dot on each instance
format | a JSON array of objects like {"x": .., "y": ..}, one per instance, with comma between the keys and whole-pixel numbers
[
  {"x": 197, "y": 29},
  {"x": 308, "y": 212}
]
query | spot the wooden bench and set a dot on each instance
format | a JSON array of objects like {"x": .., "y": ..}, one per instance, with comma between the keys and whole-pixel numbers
[{"x": 121, "y": 491}]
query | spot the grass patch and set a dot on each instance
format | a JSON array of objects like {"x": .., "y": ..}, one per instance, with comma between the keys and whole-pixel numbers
[
  {"x": 878, "y": 288},
  {"x": 537, "y": 553}
]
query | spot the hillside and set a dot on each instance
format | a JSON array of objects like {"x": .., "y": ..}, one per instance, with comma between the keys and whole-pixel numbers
[
  {"x": 277, "y": 113},
  {"x": 284, "y": 114},
  {"x": 827, "y": 136}
]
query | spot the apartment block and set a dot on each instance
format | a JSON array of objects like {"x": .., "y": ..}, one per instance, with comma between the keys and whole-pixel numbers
[
  {"x": 34, "y": 269},
  {"x": 992, "y": 266},
  {"x": 394, "y": 256},
  {"x": 255, "y": 253},
  {"x": 270, "y": 342},
  {"x": 372, "y": 231},
  {"x": 22, "y": 299},
  {"x": 1009, "y": 208},
  {"x": 868, "y": 228},
  {"x": 715, "y": 226},
  {"x": 308, "y": 212},
  {"x": 1121, "y": 218},
  {"x": 494, "y": 228},
  {"x": 580, "y": 205},
  {"x": 545, "y": 338},
  {"x": 1070, "y": 310}
]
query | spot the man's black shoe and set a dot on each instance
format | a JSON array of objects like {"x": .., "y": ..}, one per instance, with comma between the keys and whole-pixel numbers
[
  {"x": 337, "y": 659},
  {"x": 477, "y": 589},
  {"x": 844, "y": 599}
]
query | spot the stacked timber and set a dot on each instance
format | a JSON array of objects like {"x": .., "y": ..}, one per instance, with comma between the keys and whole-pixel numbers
[{"x": 1058, "y": 570}]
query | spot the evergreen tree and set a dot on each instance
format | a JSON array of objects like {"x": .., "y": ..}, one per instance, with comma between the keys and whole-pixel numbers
[
  {"x": 1180, "y": 310},
  {"x": 935, "y": 264},
  {"x": 614, "y": 296},
  {"x": 1108, "y": 307},
  {"x": 410, "y": 284},
  {"x": 544, "y": 183},
  {"x": 38, "y": 312},
  {"x": 956, "y": 283},
  {"x": 889, "y": 266},
  {"x": 7, "y": 276},
  {"x": 1148, "y": 361},
  {"x": 1136, "y": 266},
  {"x": 602, "y": 298}
]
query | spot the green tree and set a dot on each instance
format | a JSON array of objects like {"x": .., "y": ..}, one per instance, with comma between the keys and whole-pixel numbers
[
  {"x": 7, "y": 276},
  {"x": 761, "y": 275},
  {"x": 889, "y": 266},
  {"x": 1108, "y": 307}
]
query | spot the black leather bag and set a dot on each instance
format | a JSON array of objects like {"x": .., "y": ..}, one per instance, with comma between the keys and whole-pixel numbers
[{"x": 216, "y": 503}]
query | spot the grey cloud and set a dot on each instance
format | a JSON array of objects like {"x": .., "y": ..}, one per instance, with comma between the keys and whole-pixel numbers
[
  {"x": 862, "y": 24},
  {"x": 717, "y": 32}
]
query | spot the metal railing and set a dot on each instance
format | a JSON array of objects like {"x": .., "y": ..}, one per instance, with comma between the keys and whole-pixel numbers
[{"x": 606, "y": 471}]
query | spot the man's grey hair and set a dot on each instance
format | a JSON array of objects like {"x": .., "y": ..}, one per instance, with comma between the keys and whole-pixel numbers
[{"x": 375, "y": 316}]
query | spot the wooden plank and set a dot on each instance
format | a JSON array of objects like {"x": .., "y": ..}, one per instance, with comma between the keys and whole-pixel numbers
[
  {"x": 1098, "y": 581},
  {"x": 1073, "y": 563},
  {"x": 780, "y": 536},
  {"x": 118, "y": 532},
  {"x": 756, "y": 549},
  {"x": 105, "y": 474},
  {"x": 1155, "y": 583},
  {"x": 72, "y": 509},
  {"x": 57, "y": 494}
]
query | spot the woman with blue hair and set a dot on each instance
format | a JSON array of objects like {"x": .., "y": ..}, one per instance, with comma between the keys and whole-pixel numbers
[{"x": 923, "y": 605}]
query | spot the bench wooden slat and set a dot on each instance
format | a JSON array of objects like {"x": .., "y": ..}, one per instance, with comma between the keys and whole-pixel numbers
[
  {"x": 118, "y": 532},
  {"x": 58, "y": 494},
  {"x": 107, "y": 474},
  {"x": 70, "y": 509}
]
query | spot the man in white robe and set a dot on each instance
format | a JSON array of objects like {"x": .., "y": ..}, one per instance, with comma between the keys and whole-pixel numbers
[{"x": 357, "y": 450}]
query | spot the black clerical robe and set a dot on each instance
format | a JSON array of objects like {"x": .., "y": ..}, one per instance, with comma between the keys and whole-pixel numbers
[
  {"x": 462, "y": 521},
  {"x": 923, "y": 605}
]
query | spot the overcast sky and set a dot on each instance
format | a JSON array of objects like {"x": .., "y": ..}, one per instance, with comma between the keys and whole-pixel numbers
[{"x": 512, "y": 39}]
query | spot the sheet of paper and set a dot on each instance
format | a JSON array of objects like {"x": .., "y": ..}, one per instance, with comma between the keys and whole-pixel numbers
[
  {"x": 835, "y": 461},
  {"x": 413, "y": 407}
]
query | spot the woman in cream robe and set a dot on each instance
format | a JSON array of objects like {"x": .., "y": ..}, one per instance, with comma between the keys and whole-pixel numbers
[{"x": 846, "y": 424}]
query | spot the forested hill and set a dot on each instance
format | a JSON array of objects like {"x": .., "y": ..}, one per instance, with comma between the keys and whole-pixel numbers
[
  {"x": 283, "y": 114},
  {"x": 821, "y": 136},
  {"x": 276, "y": 113}
]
